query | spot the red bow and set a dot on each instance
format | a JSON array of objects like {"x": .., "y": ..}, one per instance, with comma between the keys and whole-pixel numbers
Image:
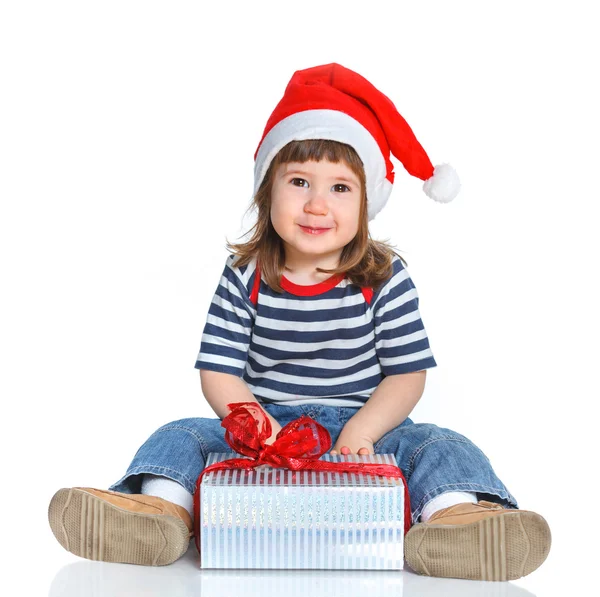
[{"x": 297, "y": 446}]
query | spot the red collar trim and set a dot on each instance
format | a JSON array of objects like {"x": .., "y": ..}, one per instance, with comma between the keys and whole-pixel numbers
[{"x": 311, "y": 289}]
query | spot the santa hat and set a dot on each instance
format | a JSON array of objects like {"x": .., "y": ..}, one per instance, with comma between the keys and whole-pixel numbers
[{"x": 335, "y": 103}]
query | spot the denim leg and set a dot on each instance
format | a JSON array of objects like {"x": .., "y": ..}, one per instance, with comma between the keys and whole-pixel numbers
[
  {"x": 435, "y": 460},
  {"x": 178, "y": 450}
]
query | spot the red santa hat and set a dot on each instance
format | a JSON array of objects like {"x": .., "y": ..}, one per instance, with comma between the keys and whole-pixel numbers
[{"x": 332, "y": 102}]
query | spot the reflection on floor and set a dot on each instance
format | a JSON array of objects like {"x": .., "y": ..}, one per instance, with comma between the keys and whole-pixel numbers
[{"x": 184, "y": 578}]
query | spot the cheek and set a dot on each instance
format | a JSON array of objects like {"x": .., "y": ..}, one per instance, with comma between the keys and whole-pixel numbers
[
  {"x": 275, "y": 213},
  {"x": 351, "y": 218},
  {"x": 279, "y": 219},
  {"x": 281, "y": 209}
]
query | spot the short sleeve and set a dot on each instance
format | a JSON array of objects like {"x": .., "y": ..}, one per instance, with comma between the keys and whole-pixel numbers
[
  {"x": 228, "y": 328},
  {"x": 401, "y": 342}
]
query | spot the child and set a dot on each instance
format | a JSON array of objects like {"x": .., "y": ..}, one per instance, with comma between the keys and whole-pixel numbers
[{"x": 311, "y": 316}]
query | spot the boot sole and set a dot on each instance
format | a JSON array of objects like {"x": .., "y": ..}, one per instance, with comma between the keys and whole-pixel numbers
[
  {"x": 95, "y": 529},
  {"x": 503, "y": 547}
]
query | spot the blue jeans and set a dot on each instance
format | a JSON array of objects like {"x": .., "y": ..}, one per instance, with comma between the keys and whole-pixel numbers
[{"x": 434, "y": 460}]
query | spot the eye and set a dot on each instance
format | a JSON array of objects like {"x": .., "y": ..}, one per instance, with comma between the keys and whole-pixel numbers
[
  {"x": 295, "y": 181},
  {"x": 342, "y": 188}
]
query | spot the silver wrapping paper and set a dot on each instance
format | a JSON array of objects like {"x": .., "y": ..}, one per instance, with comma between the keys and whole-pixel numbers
[{"x": 276, "y": 518}]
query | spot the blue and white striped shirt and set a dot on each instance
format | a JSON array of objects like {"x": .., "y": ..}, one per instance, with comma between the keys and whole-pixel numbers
[{"x": 319, "y": 344}]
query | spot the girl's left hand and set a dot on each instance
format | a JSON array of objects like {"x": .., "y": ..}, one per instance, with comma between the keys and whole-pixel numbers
[{"x": 349, "y": 443}]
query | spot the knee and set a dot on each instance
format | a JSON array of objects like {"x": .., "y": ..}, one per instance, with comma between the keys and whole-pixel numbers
[
  {"x": 192, "y": 424},
  {"x": 206, "y": 433},
  {"x": 422, "y": 435},
  {"x": 429, "y": 431},
  {"x": 189, "y": 423}
]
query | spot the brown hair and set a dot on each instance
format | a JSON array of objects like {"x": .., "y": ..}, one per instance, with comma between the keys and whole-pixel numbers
[{"x": 365, "y": 261}]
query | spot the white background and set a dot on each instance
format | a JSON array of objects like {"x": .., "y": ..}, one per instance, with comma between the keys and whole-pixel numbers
[{"x": 127, "y": 135}]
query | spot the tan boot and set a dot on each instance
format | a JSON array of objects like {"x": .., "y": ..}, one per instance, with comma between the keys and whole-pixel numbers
[
  {"x": 119, "y": 527},
  {"x": 482, "y": 541}
]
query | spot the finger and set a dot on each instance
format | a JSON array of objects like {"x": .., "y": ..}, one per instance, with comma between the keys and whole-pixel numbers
[
  {"x": 333, "y": 452},
  {"x": 345, "y": 450},
  {"x": 364, "y": 451}
]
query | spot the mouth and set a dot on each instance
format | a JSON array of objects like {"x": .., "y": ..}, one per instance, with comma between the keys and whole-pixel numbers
[{"x": 313, "y": 231}]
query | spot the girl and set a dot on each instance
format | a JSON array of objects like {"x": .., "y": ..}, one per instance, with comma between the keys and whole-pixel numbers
[{"x": 311, "y": 316}]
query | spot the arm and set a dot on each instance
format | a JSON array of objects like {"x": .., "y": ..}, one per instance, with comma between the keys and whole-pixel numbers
[
  {"x": 219, "y": 389},
  {"x": 225, "y": 342},
  {"x": 403, "y": 351},
  {"x": 387, "y": 407}
]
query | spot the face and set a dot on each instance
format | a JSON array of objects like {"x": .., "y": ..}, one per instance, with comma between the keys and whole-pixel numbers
[{"x": 315, "y": 209}]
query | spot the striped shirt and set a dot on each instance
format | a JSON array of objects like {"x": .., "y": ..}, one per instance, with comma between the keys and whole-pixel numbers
[{"x": 318, "y": 344}]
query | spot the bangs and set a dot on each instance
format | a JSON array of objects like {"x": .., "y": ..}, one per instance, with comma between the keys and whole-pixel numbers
[{"x": 320, "y": 149}]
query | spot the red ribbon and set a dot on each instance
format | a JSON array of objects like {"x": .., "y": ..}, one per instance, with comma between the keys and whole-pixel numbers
[{"x": 297, "y": 447}]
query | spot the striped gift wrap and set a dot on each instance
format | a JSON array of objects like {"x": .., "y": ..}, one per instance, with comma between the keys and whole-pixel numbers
[{"x": 280, "y": 519}]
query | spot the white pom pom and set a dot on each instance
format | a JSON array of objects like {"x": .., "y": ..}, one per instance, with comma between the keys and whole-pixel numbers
[{"x": 444, "y": 185}]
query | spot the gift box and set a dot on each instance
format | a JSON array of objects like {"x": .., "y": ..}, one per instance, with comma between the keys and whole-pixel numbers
[
  {"x": 277, "y": 518},
  {"x": 289, "y": 504}
]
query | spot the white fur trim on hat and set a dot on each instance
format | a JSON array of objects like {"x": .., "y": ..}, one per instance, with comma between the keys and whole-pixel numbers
[{"x": 444, "y": 185}]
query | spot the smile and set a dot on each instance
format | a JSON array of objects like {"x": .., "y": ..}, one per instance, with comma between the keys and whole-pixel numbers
[{"x": 313, "y": 230}]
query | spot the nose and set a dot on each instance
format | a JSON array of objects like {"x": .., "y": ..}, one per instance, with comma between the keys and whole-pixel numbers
[{"x": 317, "y": 204}]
